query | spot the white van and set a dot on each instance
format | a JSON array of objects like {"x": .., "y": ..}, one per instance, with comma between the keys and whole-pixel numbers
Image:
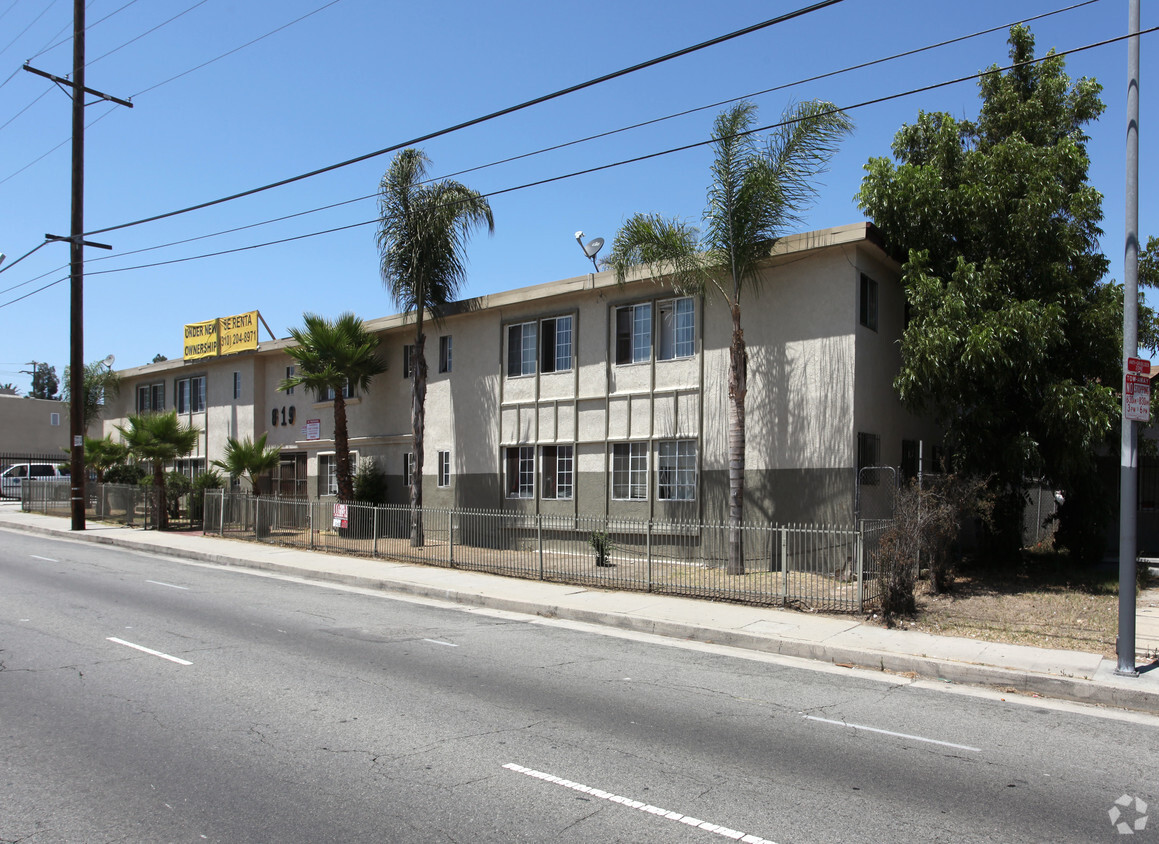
[{"x": 12, "y": 477}]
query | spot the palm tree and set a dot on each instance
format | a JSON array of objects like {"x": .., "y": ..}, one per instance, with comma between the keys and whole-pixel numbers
[
  {"x": 159, "y": 438},
  {"x": 249, "y": 458},
  {"x": 333, "y": 356},
  {"x": 422, "y": 237},
  {"x": 100, "y": 384},
  {"x": 103, "y": 454},
  {"x": 756, "y": 192}
]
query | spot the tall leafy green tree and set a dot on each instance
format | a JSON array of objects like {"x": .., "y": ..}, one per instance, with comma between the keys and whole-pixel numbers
[
  {"x": 758, "y": 190},
  {"x": 158, "y": 438},
  {"x": 422, "y": 237},
  {"x": 100, "y": 383},
  {"x": 249, "y": 458},
  {"x": 1013, "y": 340},
  {"x": 332, "y": 354},
  {"x": 44, "y": 381}
]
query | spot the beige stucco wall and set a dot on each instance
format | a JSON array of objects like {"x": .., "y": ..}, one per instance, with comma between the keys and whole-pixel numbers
[
  {"x": 815, "y": 377},
  {"x": 26, "y": 425}
]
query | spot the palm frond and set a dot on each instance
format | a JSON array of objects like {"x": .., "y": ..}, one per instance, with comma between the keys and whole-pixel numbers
[{"x": 667, "y": 248}]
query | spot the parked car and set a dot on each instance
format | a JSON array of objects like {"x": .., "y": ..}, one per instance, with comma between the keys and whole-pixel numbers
[{"x": 15, "y": 475}]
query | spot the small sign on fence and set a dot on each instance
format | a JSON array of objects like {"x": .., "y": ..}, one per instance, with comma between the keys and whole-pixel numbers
[{"x": 341, "y": 513}]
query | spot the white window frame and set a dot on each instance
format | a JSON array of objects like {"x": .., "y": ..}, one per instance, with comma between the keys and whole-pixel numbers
[
  {"x": 676, "y": 470},
  {"x": 559, "y": 355},
  {"x": 522, "y": 345},
  {"x": 54, "y": 419},
  {"x": 154, "y": 397},
  {"x": 557, "y": 472},
  {"x": 519, "y": 471},
  {"x": 408, "y": 468},
  {"x": 290, "y": 371},
  {"x": 191, "y": 394},
  {"x": 444, "y": 458},
  {"x": 633, "y": 341},
  {"x": 630, "y": 471},
  {"x": 347, "y": 392},
  {"x": 676, "y": 328},
  {"x": 328, "y": 473}
]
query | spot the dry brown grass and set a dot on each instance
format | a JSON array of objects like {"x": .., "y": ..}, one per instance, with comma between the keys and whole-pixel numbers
[{"x": 1045, "y": 602}]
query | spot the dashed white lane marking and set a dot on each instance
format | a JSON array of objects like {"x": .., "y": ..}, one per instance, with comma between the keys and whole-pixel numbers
[
  {"x": 440, "y": 642},
  {"x": 890, "y": 733},
  {"x": 150, "y": 651},
  {"x": 170, "y": 585},
  {"x": 46, "y": 559},
  {"x": 723, "y": 831}
]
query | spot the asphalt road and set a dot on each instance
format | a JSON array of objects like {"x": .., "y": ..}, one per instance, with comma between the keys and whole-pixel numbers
[{"x": 272, "y": 710}]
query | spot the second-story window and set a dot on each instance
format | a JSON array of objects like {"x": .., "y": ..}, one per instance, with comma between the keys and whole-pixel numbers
[
  {"x": 408, "y": 359},
  {"x": 191, "y": 394},
  {"x": 556, "y": 343},
  {"x": 521, "y": 343},
  {"x": 347, "y": 392},
  {"x": 237, "y": 385},
  {"x": 634, "y": 333},
  {"x": 150, "y": 398},
  {"x": 677, "y": 329},
  {"x": 290, "y": 374},
  {"x": 868, "y": 302},
  {"x": 445, "y": 353}
]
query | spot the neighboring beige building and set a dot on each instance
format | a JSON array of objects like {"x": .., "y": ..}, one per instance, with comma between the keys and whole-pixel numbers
[
  {"x": 582, "y": 396},
  {"x": 33, "y": 427}
]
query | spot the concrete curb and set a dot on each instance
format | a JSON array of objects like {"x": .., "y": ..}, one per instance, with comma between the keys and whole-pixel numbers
[{"x": 1082, "y": 690}]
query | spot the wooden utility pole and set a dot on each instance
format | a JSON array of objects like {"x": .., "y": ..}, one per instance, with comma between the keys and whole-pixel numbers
[{"x": 76, "y": 260}]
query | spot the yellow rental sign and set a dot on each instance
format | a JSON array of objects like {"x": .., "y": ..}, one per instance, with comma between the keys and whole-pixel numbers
[
  {"x": 222, "y": 336},
  {"x": 201, "y": 340},
  {"x": 238, "y": 333}
]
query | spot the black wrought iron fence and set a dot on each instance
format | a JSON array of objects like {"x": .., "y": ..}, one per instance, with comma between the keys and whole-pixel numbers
[{"x": 819, "y": 566}]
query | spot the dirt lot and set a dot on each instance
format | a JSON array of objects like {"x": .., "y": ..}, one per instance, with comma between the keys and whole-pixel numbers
[{"x": 1043, "y": 603}]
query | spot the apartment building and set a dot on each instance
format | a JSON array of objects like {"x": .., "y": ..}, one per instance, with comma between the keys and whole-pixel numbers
[{"x": 585, "y": 396}]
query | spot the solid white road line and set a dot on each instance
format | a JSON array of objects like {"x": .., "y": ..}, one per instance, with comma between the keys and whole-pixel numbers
[
  {"x": 46, "y": 559},
  {"x": 895, "y": 735},
  {"x": 143, "y": 649},
  {"x": 438, "y": 642},
  {"x": 170, "y": 585},
  {"x": 643, "y": 807}
]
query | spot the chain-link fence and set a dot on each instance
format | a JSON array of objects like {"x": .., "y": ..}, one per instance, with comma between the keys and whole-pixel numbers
[{"x": 816, "y": 566}]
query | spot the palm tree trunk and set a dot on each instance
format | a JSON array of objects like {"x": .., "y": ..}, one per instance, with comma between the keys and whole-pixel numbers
[
  {"x": 159, "y": 495},
  {"x": 342, "y": 448},
  {"x": 737, "y": 388},
  {"x": 418, "y": 424}
]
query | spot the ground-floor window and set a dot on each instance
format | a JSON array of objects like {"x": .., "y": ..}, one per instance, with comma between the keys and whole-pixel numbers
[
  {"x": 630, "y": 471},
  {"x": 519, "y": 464},
  {"x": 328, "y": 472},
  {"x": 676, "y": 470},
  {"x": 557, "y": 469}
]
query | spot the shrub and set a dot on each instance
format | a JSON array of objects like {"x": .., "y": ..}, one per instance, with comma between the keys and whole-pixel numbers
[
  {"x": 603, "y": 546},
  {"x": 124, "y": 473},
  {"x": 369, "y": 482},
  {"x": 926, "y": 524},
  {"x": 177, "y": 484},
  {"x": 206, "y": 480}
]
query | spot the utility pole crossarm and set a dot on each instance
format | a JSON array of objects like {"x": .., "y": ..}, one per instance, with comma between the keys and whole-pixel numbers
[{"x": 70, "y": 84}]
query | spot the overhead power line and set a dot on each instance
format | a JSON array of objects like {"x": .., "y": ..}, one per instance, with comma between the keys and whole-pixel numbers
[
  {"x": 477, "y": 120},
  {"x": 574, "y": 142},
  {"x": 602, "y": 167}
]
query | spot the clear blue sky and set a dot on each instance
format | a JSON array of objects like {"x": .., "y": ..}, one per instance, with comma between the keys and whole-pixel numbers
[{"x": 361, "y": 75}]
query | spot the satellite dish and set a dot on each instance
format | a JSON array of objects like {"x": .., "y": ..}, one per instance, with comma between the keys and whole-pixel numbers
[
  {"x": 108, "y": 361},
  {"x": 593, "y": 247}
]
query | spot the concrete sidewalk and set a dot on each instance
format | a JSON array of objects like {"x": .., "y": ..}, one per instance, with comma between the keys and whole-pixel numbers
[{"x": 1071, "y": 675}]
